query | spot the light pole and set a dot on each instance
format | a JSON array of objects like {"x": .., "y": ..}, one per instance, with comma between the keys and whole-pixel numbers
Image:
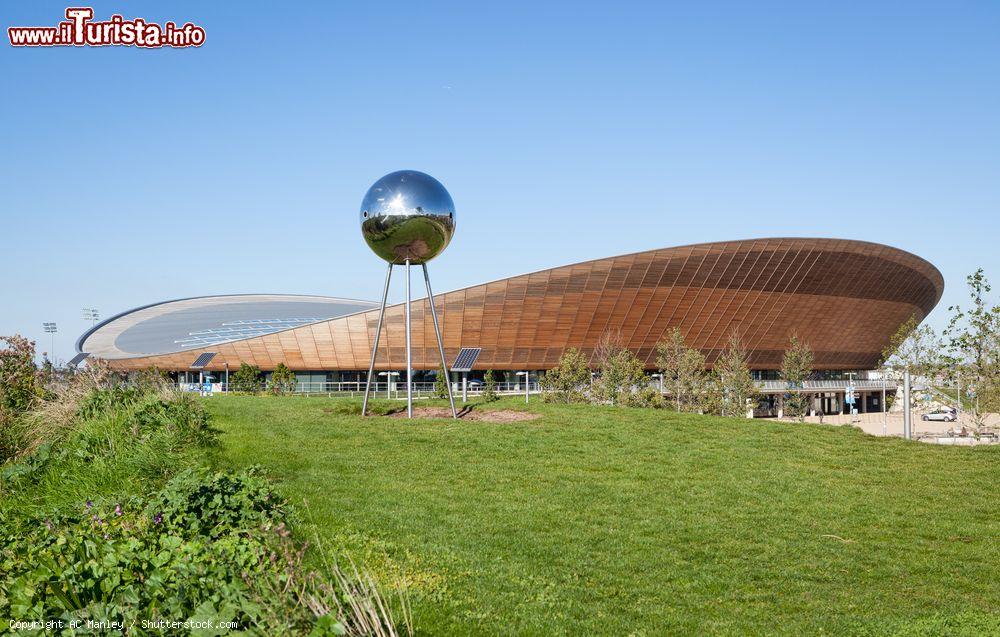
[
  {"x": 527, "y": 378},
  {"x": 91, "y": 314},
  {"x": 51, "y": 329},
  {"x": 388, "y": 382}
]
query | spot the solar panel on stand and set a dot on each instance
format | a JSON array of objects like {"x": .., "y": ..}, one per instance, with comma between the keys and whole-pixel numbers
[
  {"x": 466, "y": 359},
  {"x": 203, "y": 360}
]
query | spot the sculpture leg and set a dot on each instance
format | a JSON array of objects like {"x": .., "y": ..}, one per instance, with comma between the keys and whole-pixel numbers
[
  {"x": 378, "y": 331},
  {"x": 437, "y": 331},
  {"x": 409, "y": 356}
]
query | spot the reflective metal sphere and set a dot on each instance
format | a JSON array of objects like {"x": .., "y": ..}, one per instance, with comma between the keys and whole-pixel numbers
[{"x": 407, "y": 215}]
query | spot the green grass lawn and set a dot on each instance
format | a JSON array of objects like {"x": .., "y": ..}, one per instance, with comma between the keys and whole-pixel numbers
[{"x": 616, "y": 521}]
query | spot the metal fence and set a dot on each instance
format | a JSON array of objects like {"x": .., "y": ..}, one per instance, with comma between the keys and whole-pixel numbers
[{"x": 379, "y": 390}]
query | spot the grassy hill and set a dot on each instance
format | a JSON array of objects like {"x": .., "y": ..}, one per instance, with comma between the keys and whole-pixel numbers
[{"x": 600, "y": 520}]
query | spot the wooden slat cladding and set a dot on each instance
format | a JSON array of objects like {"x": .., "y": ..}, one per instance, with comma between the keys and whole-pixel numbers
[{"x": 844, "y": 298}]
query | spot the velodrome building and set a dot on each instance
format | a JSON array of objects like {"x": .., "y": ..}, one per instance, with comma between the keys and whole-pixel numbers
[{"x": 843, "y": 298}]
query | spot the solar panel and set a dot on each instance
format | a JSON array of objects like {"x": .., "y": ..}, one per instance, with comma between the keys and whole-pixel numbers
[
  {"x": 202, "y": 360},
  {"x": 76, "y": 360},
  {"x": 466, "y": 359}
]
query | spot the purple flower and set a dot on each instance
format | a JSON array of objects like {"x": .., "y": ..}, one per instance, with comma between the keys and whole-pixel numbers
[
  {"x": 157, "y": 518},
  {"x": 89, "y": 504},
  {"x": 118, "y": 509}
]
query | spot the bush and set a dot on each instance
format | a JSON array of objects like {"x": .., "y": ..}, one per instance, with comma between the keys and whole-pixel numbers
[
  {"x": 441, "y": 383},
  {"x": 88, "y": 531},
  {"x": 19, "y": 384},
  {"x": 282, "y": 380},
  {"x": 648, "y": 397},
  {"x": 567, "y": 381},
  {"x": 246, "y": 379}
]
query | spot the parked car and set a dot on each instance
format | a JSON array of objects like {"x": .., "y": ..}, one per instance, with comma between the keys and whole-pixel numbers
[
  {"x": 941, "y": 415},
  {"x": 475, "y": 383}
]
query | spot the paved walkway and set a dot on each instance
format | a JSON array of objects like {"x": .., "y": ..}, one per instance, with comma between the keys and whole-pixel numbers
[{"x": 893, "y": 423}]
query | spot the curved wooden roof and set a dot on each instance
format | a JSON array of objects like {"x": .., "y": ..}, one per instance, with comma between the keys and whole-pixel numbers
[{"x": 844, "y": 298}]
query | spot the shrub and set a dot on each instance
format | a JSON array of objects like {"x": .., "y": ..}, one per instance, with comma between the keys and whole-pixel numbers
[
  {"x": 19, "y": 384},
  {"x": 441, "y": 383},
  {"x": 621, "y": 371},
  {"x": 282, "y": 380},
  {"x": 648, "y": 397},
  {"x": 246, "y": 379},
  {"x": 567, "y": 381},
  {"x": 489, "y": 386}
]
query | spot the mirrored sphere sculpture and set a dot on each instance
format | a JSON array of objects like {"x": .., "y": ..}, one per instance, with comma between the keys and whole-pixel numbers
[{"x": 407, "y": 215}]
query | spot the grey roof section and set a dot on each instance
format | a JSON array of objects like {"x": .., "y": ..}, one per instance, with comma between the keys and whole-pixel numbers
[
  {"x": 187, "y": 324},
  {"x": 79, "y": 358}
]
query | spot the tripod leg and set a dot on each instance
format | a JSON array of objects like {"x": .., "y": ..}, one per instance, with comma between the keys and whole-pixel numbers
[
  {"x": 378, "y": 331},
  {"x": 437, "y": 331},
  {"x": 409, "y": 352}
]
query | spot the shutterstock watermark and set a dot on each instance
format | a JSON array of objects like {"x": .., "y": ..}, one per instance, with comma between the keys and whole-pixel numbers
[{"x": 80, "y": 29}]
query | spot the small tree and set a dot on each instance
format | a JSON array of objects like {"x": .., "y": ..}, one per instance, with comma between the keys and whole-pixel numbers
[
  {"x": 441, "y": 383},
  {"x": 683, "y": 369},
  {"x": 796, "y": 367},
  {"x": 669, "y": 353},
  {"x": 974, "y": 342},
  {"x": 282, "y": 380},
  {"x": 731, "y": 385},
  {"x": 489, "y": 386},
  {"x": 246, "y": 379},
  {"x": 621, "y": 370},
  {"x": 914, "y": 348},
  {"x": 566, "y": 381}
]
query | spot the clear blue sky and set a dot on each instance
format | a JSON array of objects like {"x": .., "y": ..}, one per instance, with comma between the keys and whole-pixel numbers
[{"x": 563, "y": 133}]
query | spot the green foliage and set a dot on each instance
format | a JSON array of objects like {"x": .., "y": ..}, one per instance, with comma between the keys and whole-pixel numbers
[
  {"x": 204, "y": 547},
  {"x": 683, "y": 370},
  {"x": 489, "y": 386},
  {"x": 89, "y": 531},
  {"x": 282, "y": 380},
  {"x": 621, "y": 374},
  {"x": 796, "y": 367},
  {"x": 731, "y": 387},
  {"x": 441, "y": 383},
  {"x": 648, "y": 397},
  {"x": 19, "y": 383},
  {"x": 974, "y": 343},
  {"x": 247, "y": 379},
  {"x": 567, "y": 381},
  {"x": 914, "y": 348}
]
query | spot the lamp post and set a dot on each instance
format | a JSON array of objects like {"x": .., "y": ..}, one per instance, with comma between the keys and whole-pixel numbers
[
  {"x": 91, "y": 314},
  {"x": 527, "y": 379},
  {"x": 388, "y": 382},
  {"x": 51, "y": 329}
]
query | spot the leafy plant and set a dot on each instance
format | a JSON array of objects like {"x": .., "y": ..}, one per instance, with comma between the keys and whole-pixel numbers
[
  {"x": 621, "y": 371},
  {"x": 796, "y": 367},
  {"x": 489, "y": 386},
  {"x": 247, "y": 379},
  {"x": 441, "y": 383},
  {"x": 282, "y": 380},
  {"x": 731, "y": 386},
  {"x": 567, "y": 381}
]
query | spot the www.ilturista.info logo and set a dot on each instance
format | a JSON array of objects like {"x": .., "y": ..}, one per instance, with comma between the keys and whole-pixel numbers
[{"x": 80, "y": 30}]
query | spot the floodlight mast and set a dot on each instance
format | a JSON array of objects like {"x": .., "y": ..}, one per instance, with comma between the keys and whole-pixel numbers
[
  {"x": 407, "y": 218},
  {"x": 51, "y": 329}
]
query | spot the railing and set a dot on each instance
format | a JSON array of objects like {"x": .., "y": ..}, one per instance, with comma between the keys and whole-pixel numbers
[
  {"x": 378, "y": 390},
  {"x": 777, "y": 386}
]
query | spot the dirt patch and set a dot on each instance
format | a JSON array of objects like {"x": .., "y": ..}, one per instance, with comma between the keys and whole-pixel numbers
[{"x": 500, "y": 415}]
